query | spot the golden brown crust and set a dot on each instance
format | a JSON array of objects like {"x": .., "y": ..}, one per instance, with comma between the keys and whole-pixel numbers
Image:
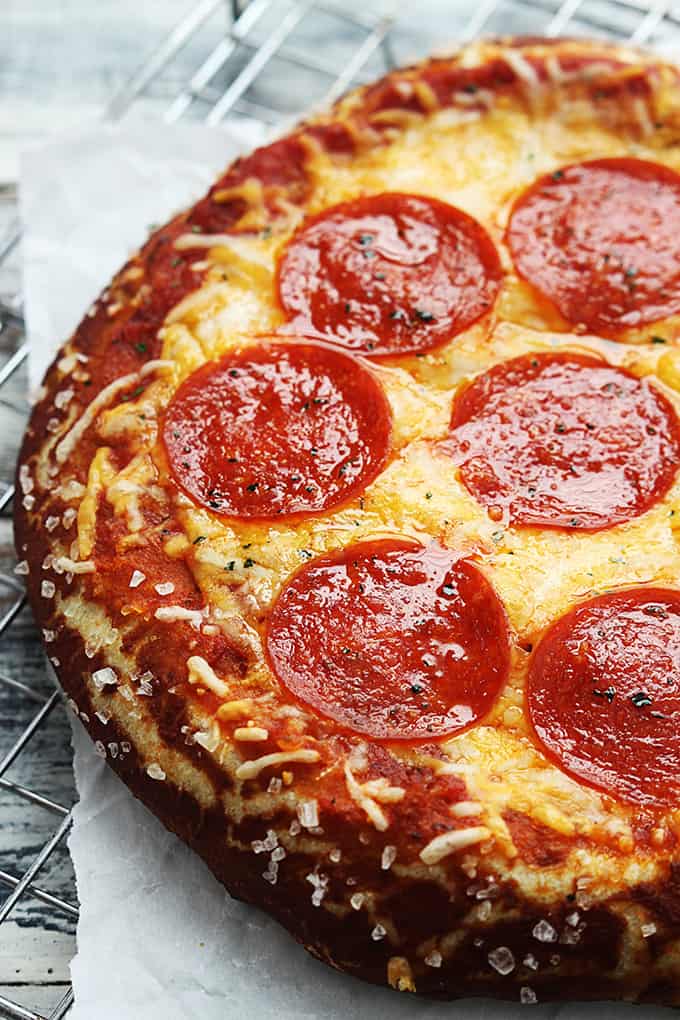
[{"x": 461, "y": 927}]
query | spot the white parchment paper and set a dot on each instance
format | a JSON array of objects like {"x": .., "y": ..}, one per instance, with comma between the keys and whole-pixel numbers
[{"x": 158, "y": 938}]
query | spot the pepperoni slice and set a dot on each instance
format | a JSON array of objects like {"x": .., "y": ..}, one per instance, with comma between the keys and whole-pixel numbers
[
  {"x": 601, "y": 240},
  {"x": 277, "y": 430},
  {"x": 603, "y": 694},
  {"x": 389, "y": 274},
  {"x": 564, "y": 441},
  {"x": 391, "y": 639}
]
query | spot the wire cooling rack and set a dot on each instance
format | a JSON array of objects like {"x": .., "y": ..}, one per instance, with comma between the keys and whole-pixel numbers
[{"x": 224, "y": 58}]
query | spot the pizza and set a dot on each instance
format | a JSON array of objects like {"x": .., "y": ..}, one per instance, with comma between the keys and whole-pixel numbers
[{"x": 351, "y": 518}]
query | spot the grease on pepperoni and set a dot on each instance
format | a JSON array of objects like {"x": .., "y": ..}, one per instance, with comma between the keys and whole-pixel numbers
[
  {"x": 388, "y": 274},
  {"x": 564, "y": 441},
  {"x": 277, "y": 430},
  {"x": 601, "y": 241},
  {"x": 391, "y": 639},
  {"x": 603, "y": 694}
]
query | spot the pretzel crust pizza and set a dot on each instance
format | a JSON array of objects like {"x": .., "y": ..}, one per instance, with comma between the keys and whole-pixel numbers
[{"x": 350, "y": 515}]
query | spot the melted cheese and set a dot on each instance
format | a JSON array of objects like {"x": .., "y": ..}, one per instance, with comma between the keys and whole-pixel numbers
[
  {"x": 251, "y": 769},
  {"x": 201, "y": 672},
  {"x": 481, "y": 162},
  {"x": 99, "y": 475},
  {"x": 450, "y": 842},
  {"x": 367, "y": 795}
]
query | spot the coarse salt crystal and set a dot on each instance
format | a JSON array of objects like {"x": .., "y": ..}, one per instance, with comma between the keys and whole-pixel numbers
[
  {"x": 335, "y": 855},
  {"x": 357, "y": 900},
  {"x": 308, "y": 813},
  {"x": 530, "y": 961},
  {"x": 278, "y": 854},
  {"x": 47, "y": 590},
  {"x": 648, "y": 930},
  {"x": 502, "y": 960},
  {"x": 100, "y": 749},
  {"x": 103, "y": 677},
  {"x": 571, "y": 936},
  {"x": 271, "y": 873},
  {"x": 270, "y": 841},
  {"x": 433, "y": 959},
  {"x": 484, "y": 910},
  {"x": 55, "y": 661},
  {"x": 378, "y": 933},
  {"x": 51, "y": 523},
  {"x": 22, "y": 568},
  {"x": 125, "y": 746},
  {"x": 62, "y": 399},
  {"x": 275, "y": 785},
  {"x": 136, "y": 579},
  {"x": 48, "y": 635},
  {"x": 154, "y": 771},
  {"x": 113, "y": 748},
  {"x": 25, "y": 480},
  {"x": 543, "y": 931},
  {"x": 527, "y": 996},
  {"x": 103, "y": 717},
  {"x": 165, "y": 588},
  {"x": 209, "y": 739},
  {"x": 294, "y": 828},
  {"x": 69, "y": 516},
  {"x": 28, "y": 502},
  {"x": 145, "y": 684},
  {"x": 320, "y": 883},
  {"x": 388, "y": 858}
]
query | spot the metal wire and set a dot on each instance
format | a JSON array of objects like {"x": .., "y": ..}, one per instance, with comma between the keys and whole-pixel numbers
[{"x": 226, "y": 78}]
